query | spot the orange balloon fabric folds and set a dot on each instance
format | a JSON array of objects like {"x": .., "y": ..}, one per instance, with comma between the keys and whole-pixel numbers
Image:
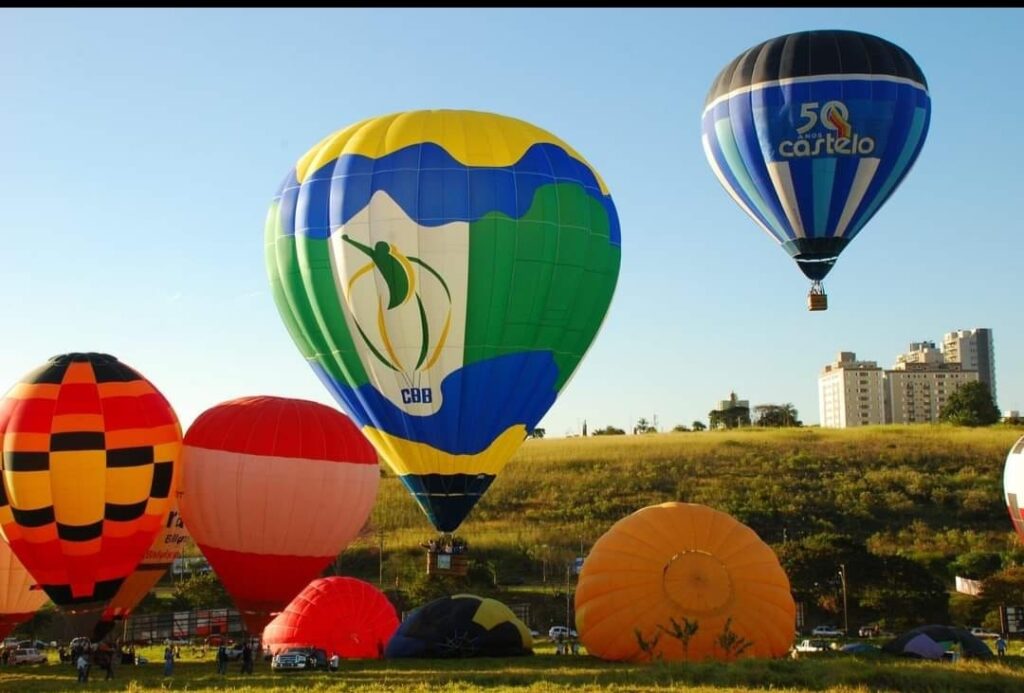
[{"x": 683, "y": 582}]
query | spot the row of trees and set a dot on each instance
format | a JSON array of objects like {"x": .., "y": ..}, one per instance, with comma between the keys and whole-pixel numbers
[{"x": 970, "y": 405}]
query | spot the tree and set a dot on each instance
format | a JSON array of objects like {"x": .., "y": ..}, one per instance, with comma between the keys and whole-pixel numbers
[
  {"x": 537, "y": 433},
  {"x": 776, "y": 415},
  {"x": 200, "y": 590},
  {"x": 698, "y": 426},
  {"x": 643, "y": 426},
  {"x": 609, "y": 431},
  {"x": 970, "y": 405},
  {"x": 733, "y": 417},
  {"x": 681, "y": 428}
]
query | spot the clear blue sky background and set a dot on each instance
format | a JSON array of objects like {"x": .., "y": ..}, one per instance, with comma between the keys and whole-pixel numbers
[{"x": 141, "y": 148}]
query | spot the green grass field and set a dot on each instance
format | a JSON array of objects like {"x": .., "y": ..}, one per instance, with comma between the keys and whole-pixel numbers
[{"x": 547, "y": 672}]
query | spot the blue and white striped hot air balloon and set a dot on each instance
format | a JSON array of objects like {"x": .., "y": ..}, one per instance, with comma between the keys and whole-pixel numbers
[{"x": 811, "y": 132}]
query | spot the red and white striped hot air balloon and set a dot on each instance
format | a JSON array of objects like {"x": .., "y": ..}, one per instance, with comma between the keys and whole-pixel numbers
[{"x": 272, "y": 490}]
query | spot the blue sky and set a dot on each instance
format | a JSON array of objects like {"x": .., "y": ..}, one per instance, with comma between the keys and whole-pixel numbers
[{"x": 141, "y": 149}]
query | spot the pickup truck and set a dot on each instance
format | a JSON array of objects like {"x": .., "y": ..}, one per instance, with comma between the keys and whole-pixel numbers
[
  {"x": 811, "y": 645},
  {"x": 982, "y": 633}
]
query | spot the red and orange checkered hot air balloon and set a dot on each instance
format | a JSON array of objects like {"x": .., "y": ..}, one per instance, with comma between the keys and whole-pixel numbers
[
  {"x": 272, "y": 490},
  {"x": 90, "y": 449}
]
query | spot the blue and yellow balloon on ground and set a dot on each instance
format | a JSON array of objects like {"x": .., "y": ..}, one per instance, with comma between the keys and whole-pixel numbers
[{"x": 443, "y": 272}]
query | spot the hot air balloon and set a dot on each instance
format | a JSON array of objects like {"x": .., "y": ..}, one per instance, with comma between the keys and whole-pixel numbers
[
  {"x": 461, "y": 625},
  {"x": 90, "y": 449},
  {"x": 810, "y": 133},
  {"x": 443, "y": 272},
  {"x": 165, "y": 548},
  {"x": 18, "y": 600},
  {"x": 272, "y": 490},
  {"x": 666, "y": 567},
  {"x": 340, "y": 615},
  {"x": 1013, "y": 486}
]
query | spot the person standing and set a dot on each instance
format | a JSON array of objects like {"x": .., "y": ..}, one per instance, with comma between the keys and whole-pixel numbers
[
  {"x": 247, "y": 658},
  {"x": 82, "y": 664},
  {"x": 222, "y": 659},
  {"x": 168, "y": 660},
  {"x": 1001, "y": 646}
]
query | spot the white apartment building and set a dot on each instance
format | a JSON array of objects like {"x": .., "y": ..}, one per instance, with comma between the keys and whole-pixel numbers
[
  {"x": 974, "y": 351},
  {"x": 916, "y": 392},
  {"x": 851, "y": 393}
]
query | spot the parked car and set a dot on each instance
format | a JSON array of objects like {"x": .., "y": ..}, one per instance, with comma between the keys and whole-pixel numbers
[
  {"x": 299, "y": 659},
  {"x": 982, "y": 633},
  {"x": 37, "y": 644},
  {"x": 827, "y": 632},
  {"x": 557, "y": 632},
  {"x": 810, "y": 645},
  {"x": 27, "y": 655}
]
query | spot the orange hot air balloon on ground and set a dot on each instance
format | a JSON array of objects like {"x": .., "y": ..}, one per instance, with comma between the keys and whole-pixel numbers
[
  {"x": 18, "y": 601},
  {"x": 666, "y": 567},
  {"x": 340, "y": 615},
  {"x": 166, "y": 547},
  {"x": 272, "y": 490},
  {"x": 90, "y": 449}
]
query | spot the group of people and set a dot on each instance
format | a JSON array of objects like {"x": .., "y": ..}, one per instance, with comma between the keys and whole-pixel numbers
[
  {"x": 102, "y": 655},
  {"x": 246, "y": 657},
  {"x": 453, "y": 545}
]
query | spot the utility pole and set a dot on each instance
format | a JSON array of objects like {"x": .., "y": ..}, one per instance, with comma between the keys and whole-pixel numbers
[
  {"x": 842, "y": 578},
  {"x": 568, "y": 573}
]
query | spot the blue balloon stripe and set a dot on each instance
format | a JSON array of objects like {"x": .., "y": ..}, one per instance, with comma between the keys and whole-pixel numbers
[
  {"x": 823, "y": 176},
  {"x": 748, "y": 144},
  {"x": 468, "y": 420},
  {"x": 433, "y": 188},
  {"x": 727, "y": 179},
  {"x": 736, "y": 170}
]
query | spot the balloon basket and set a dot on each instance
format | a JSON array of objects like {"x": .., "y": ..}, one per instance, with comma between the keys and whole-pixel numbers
[
  {"x": 816, "y": 298},
  {"x": 441, "y": 563}
]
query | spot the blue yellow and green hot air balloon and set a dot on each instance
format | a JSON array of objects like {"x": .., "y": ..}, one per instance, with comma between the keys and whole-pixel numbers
[
  {"x": 443, "y": 272},
  {"x": 810, "y": 133}
]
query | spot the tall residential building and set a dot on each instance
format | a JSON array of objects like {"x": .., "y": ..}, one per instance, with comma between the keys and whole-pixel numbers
[
  {"x": 974, "y": 351},
  {"x": 851, "y": 393},
  {"x": 916, "y": 391},
  {"x": 921, "y": 352}
]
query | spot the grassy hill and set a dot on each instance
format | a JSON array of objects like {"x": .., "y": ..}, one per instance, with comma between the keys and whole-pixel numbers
[{"x": 937, "y": 487}]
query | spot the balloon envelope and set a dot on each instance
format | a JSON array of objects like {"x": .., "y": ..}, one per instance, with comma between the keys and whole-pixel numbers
[
  {"x": 675, "y": 561},
  {"x": 165, "y": 548},
  {"x": 90, "y": 449},
  {"x": 811, "y": 132},
  {"x": 340, "y": 615},
  {"x": 462, "y": 625},
  {"x": 272, "y": 490},
  {"x": 443, "y": 272},
  {"x": 18, "y": 601},
  {"x": 1013, "y": 486}
]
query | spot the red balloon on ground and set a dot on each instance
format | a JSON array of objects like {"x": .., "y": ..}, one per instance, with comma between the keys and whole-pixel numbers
[
  {"x": 272, "y": 490},
  {"x": 340, "y": 615}
]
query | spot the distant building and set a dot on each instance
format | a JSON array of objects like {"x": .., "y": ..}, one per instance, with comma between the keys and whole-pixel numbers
[
  {"x": 921, "y": 352},
  {"x": 851, "y": 393},
  {"x": 915, "y": 392},
  {"x": 974, "y": 351},
  {"x": 730, "y": 413}
]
